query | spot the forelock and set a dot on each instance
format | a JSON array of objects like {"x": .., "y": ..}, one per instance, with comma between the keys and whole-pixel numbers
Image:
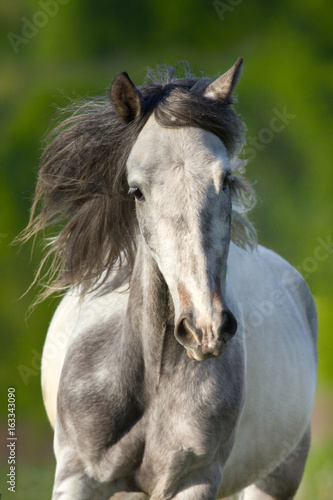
[{"x": 179, "y": 102}]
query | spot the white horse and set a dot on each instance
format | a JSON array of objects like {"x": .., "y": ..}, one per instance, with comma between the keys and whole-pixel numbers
[{"x": 190, "y": 374}]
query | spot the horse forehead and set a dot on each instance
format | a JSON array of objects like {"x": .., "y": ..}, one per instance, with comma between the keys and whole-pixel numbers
[{"x": 179, "y": 146}]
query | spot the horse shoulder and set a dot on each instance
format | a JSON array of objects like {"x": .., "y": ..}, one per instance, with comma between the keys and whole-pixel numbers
[{"x": 72, "y": 319}]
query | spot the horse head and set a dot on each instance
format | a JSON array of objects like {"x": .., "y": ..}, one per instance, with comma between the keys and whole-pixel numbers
[{"x": 181, "y": 179}]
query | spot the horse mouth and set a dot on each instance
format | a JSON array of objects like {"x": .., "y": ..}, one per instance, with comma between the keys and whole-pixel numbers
[{"x": 199, "y": 356}]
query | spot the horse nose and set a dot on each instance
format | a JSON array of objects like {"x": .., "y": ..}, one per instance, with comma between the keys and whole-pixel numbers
[{"x": 210, "y": 340}]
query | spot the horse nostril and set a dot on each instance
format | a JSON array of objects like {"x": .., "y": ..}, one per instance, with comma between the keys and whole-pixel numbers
[
  {"x": 229, "y": 325},
  {"x": 184, "y": 330}
]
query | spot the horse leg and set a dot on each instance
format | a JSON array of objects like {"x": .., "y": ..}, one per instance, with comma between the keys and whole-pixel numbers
[
  {"x": 124, "y": 495},
  {"x": 283, "y": 482},
  {"x": 200, "y": 484},
  {"x": 251, "y": 493},
  {"x": 72, "y": 483}
]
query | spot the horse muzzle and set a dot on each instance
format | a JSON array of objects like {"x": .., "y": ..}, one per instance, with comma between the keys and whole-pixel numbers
[{"x": 208, "y": 341}]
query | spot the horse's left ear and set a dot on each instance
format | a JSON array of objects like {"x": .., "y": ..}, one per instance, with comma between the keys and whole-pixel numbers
[
  {"x": 222, "y": 88},
  {"x": 125, "y": 97}
]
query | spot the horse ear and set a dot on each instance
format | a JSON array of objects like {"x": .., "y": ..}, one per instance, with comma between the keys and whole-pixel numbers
[
  {"x": 222, "y": 88},
  {"x": 125, "y": 97}
]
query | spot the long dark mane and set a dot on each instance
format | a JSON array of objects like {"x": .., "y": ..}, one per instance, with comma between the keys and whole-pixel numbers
[{"x": 82, "y": 189}]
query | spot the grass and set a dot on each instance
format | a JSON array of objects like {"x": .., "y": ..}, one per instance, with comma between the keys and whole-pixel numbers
[{"x": 34, "y": 481}]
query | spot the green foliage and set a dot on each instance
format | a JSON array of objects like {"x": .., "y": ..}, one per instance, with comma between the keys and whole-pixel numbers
[
  {"x": 287, "y": 50},
  {"x": 325, "y": 340},
  {"x": 317, "y": 481}
]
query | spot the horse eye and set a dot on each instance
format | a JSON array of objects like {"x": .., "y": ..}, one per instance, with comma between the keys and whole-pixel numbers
[
  {"x": 228, "y": 179},
  {"x": 135, "y": 191}
]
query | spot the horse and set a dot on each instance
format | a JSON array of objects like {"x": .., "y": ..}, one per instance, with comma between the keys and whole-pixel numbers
[{"x": 165, "y": 381}]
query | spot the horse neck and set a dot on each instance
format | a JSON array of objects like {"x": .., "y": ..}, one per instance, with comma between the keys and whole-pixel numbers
[{"x": 150, "y": 313}]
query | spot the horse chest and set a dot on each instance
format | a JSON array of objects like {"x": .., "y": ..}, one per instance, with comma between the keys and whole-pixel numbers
[
  {"x": 163, "y": 445},
  {"x": 182, "y": 426}
]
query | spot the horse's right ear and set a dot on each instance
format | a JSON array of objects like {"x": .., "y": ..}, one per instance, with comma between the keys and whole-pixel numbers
[{"x": 125, "y": 98}]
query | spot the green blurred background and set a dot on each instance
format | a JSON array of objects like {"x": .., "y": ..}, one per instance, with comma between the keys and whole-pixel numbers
[{"x": 56, "y": 50}]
